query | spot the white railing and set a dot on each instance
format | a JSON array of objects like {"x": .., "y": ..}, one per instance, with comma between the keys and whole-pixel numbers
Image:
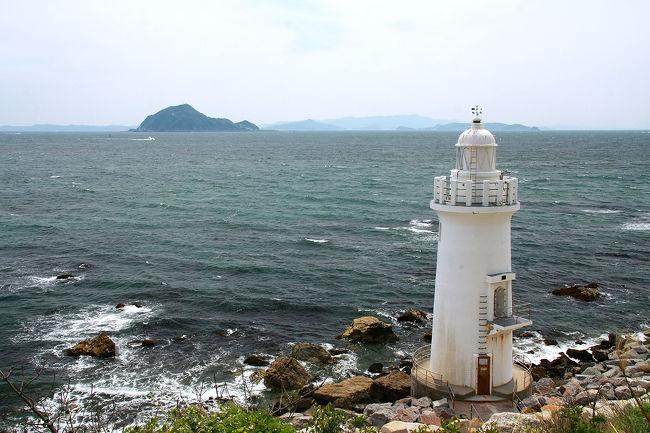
[{"x": 500, "y": 192}]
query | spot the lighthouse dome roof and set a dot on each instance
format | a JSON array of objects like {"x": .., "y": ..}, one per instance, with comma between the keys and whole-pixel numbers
[{"x": 476, "y": 136}]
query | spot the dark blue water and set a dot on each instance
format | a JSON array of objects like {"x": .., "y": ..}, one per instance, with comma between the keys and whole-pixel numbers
[{"x": 246, "y": 243}]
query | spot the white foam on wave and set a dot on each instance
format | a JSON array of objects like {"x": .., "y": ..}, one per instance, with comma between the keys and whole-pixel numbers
[
  {"x": 55, "y": 177},
  {"x": 317, "y": 241},
  {"x": 67, "y": 328},
  {"x": 522, "y": 346},
  {"x": 636, "y": 226},
  {"x": 600, "y": 211},
  {"x": 381, "y": 228}
]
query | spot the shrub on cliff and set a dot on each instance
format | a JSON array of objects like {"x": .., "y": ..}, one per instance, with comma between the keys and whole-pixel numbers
[{"x": 231, "y": 418}]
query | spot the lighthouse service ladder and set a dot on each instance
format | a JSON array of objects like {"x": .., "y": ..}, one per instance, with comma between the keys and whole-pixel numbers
[{"x": 482, "y": 325}]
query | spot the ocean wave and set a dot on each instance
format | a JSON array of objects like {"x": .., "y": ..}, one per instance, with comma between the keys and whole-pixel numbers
[
  {"x": 534, "y": 349},
  {"x": 317, "y": 241},
  {"x": 636, "y": 226},
  {"x": 67, "y": 328},
  {"x": 600, "y": 211}
]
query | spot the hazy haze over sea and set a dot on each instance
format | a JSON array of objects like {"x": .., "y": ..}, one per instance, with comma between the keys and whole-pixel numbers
[{"x": 246, "y": 243}]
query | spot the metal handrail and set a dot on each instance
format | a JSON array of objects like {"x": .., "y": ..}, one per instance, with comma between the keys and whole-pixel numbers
[
  {"x": 522, "y": 310},
  {"x": 500, "y": 192},
  {"x": 422, "y": 371}
]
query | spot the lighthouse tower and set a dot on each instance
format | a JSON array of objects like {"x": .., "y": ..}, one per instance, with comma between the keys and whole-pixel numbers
[{"x": 473, "y": 314}]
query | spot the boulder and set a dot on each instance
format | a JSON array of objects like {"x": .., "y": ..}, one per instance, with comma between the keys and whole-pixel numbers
[
  {"x": 388, "y": 414},
  {"x": 257, "y": 360},
  {"x": 64, "y": 276},
  {"x": 148, "y": 343},
  {"x": 622, "y": 392},
  {"x": 422, "y": 402},
  {"x": 581, "y": 355},
  {"x": 286, "y": 373},
  {"x": 335, "y": 352},
  {"x": 408, "y": 427},
  {"x": 412, "y": 315},
  {"x": 370, "y": 330},
  {"x": 120, "y": 305},
  {"x": 346, "y": 394},
  {"x": 101, "y": 346},
  {"x": 585, "y": 397},
  {"x": 507, "y": 422},
  {"x": 531, "y": 403},
  {"x": 550, "y": 342},
  {"x": 538, "y": 372},
  {"x": 136, "y": 304},
  {"x": 544, "y": 385},
  {"x": 599, "y": 354},
  {"x": 376, "y": 367},
  {"x": 429, "y": 417},
  {"x": 427, "y": 336},
  {"x": 393, "y": 386},
  {"x": 581, "y": 293},
  {"x": 311, "y": 353},
  {"x": 571, "y": 388}
]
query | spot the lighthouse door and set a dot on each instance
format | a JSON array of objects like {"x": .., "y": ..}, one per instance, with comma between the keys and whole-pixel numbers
[{"x": 483, "y": 379}]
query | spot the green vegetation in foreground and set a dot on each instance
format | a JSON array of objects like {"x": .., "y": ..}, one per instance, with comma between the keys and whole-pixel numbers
[{"x": 232, "y": 418}]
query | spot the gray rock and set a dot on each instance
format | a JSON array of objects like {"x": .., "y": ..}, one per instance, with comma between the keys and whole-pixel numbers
[
  {"x": 585, "y": 397},
  {"x": 505, "y": 422},
  {"x": 532, "y": 403},
  {"x": 422, "y": 402},
  {"x": 612, "y": 372},
  {"x": 571, "y": 388},
  {"x": 607, "y": 391},
  {"x": 595, "y": 371},
  {"x": 374, "y": 407},
  {"x": 544, "y": 386},
  {"x": 440, "y": 403},
  {"x": 310, "y": 353},
  {"x": 622, "y": 392}
]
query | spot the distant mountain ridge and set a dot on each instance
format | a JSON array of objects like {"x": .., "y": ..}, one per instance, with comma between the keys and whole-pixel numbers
[
  {"x": 184, "y": 118},
  {"x": 408, "y": 122},
  {"x": 65, "y": 128},
  {"x": 458, "y": 126}
]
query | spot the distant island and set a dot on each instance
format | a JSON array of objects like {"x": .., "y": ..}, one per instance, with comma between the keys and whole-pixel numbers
[
  {"x": 389, "y": 123},
  {"x": 184, "y": 118}
]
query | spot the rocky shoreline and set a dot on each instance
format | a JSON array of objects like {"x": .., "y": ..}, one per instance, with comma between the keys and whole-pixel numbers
[{"x": 608, "y": 375}]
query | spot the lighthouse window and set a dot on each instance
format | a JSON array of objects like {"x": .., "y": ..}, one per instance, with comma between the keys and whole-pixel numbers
[{"x": 500, "y": 302}]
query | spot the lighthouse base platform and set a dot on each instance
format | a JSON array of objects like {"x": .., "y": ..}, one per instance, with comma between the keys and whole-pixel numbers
[{"x": 424, "y": 382}]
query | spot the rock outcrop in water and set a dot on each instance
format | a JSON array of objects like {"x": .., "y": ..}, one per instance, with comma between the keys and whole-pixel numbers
[
  {"x": 286, "y": 373},
  {"x": 311, "y": 353},
  {"x": 184, "y": 118},
  {"x": 589, "y": 292},
  {"x": 369, "y": 330},
  {"x": 101, "y": 346}
]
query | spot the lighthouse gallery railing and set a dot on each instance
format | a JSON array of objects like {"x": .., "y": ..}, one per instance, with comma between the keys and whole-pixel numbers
[{"x": 500, "y": 192}]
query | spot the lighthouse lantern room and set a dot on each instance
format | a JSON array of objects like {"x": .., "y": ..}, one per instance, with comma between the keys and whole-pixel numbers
[{"x": 470, "y": 356}]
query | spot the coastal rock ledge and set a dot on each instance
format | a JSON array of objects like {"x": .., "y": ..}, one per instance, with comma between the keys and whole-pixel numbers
[
  {"x": 286, "y": 373},
  {"x": 589, "y": 292},
  {"x": 101, "y": 346},
  {"x": 370, "y": 330}
]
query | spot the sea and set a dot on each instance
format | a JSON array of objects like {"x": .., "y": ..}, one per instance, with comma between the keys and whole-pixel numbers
[{"x": 235, "y": 244}]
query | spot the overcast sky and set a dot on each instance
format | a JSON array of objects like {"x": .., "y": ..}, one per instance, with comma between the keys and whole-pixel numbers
[{"x": 580, "y": 64}]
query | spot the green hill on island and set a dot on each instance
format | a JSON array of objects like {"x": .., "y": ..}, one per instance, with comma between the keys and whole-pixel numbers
[{"x": 184, "y": 118}]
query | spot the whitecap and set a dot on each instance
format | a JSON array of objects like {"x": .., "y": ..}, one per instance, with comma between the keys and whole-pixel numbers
[
  {"x": 317, "y": 241},
  {"x": 522, "y": 346},
  {"x": 54, "y": 177},
  {"x": 636, "y": 226},
  {"x": 381, "y": 228},
  {"x": 600, "y": 211}
]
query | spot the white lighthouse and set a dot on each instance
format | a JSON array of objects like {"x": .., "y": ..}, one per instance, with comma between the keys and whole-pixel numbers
[{"x": 473, "y": 314}]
